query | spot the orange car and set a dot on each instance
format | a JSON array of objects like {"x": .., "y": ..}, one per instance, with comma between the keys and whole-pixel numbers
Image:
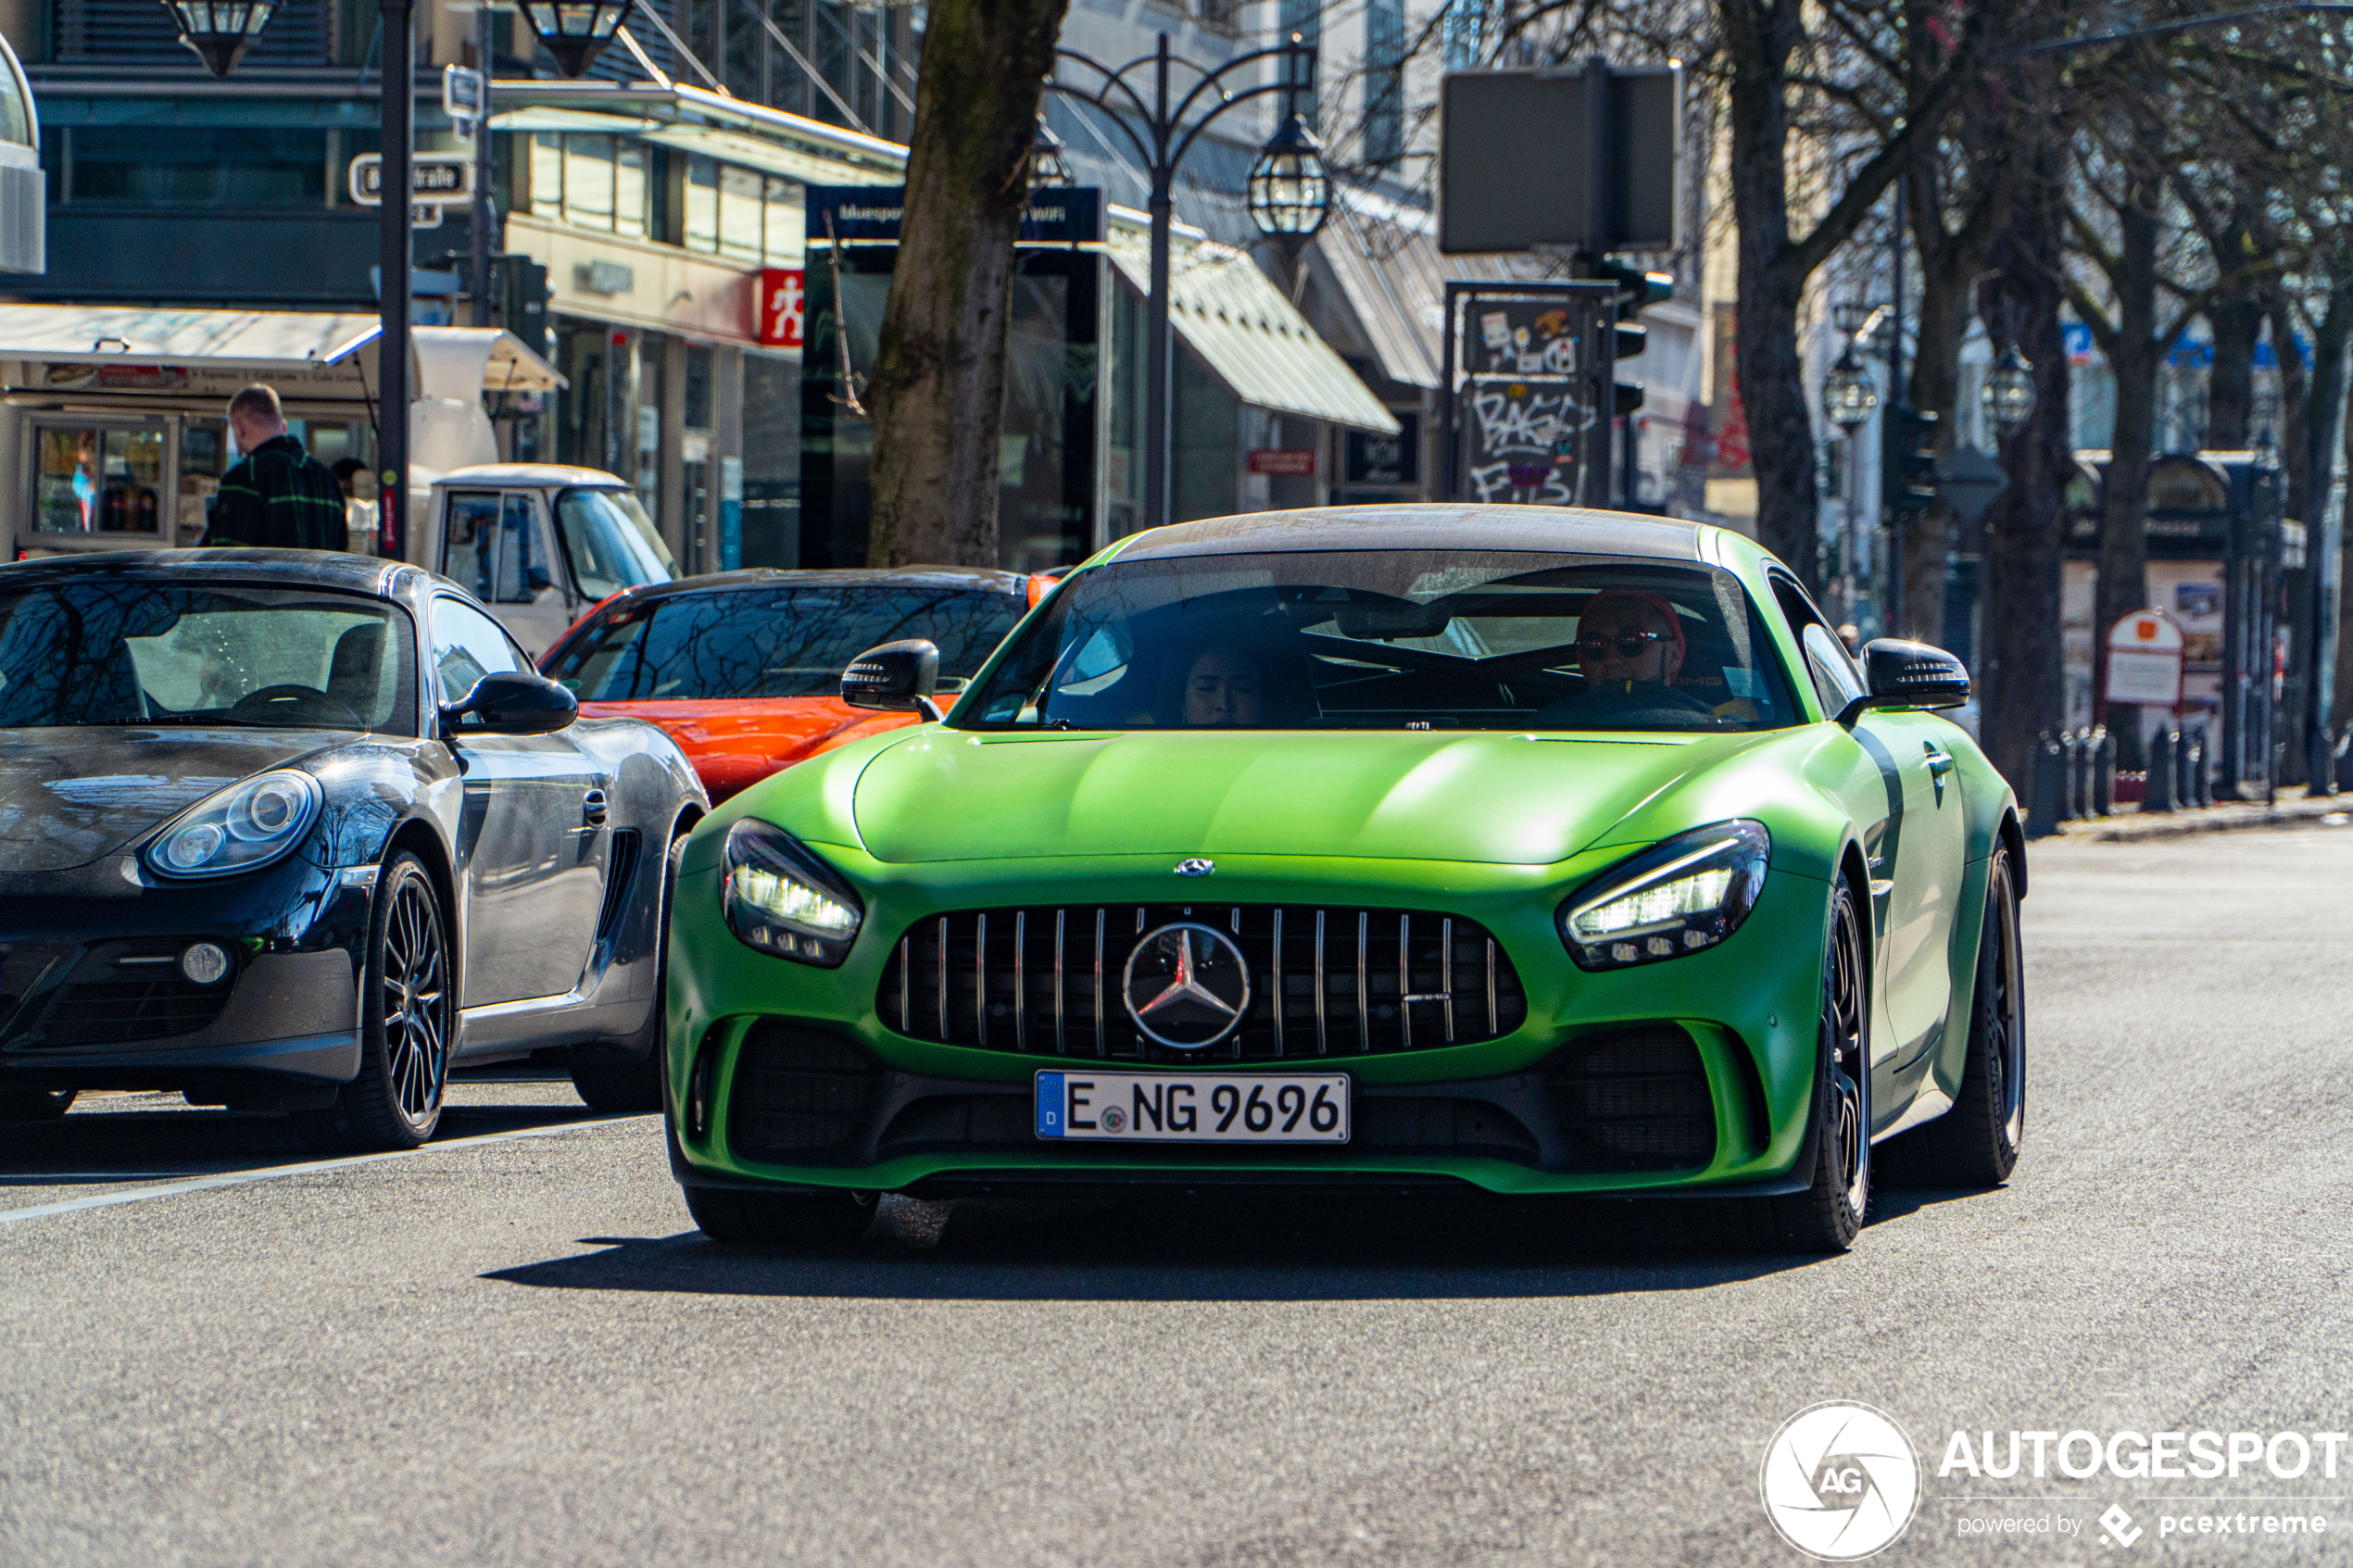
[{"x": 743, "y": 668}]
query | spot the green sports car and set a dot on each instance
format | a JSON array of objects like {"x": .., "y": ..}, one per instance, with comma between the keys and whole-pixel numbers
[{"x": 1544, "y": 852}]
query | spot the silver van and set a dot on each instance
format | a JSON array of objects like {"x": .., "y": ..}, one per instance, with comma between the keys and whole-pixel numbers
[{"x": 540, "y": 543}]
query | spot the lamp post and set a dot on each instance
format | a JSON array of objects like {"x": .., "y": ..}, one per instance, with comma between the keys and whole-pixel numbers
[
  {"x": 2008, "y": 395},
  {"x": 221, "y": 30},
  {"x": 1289, "y": 192},
  {"x": 1849, "y": 398}
]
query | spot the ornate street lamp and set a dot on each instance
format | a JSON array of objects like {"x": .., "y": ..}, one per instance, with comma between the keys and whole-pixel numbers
[
  {"x": 574, "y": 31},
  {"x": 1849, "y": 395},
  {"x": 221, "y": 30},
  {"x": 1289, "y": 191},
  {"x": 1047, "y": 164},
  {"x": 2009, "y": 397}
]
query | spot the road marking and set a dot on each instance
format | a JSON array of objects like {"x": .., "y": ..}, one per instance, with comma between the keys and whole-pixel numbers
[{"x": 239, "y": 1178}]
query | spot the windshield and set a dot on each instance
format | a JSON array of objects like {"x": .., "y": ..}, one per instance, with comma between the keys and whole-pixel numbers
[
  {"x": 1350, "y": 639},
  {"x": 773, "y": 642},
  {"x": 610, "y": 542},
  {"x": 117, "y": 652}
]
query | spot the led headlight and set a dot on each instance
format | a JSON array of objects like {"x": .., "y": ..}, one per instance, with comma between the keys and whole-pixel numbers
[
  {"x": 1678, "y": 897},
  {"x": 782, "y": 900},
  {"x": 240, "y": 828}
]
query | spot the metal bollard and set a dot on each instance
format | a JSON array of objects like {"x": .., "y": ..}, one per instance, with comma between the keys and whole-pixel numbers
[
  {"x": 2322, "y": 763},
  {"x": 2158, "y": 795},
  {"x": 2045, "y": 787},
  {"x": 2103, "y": 785}
]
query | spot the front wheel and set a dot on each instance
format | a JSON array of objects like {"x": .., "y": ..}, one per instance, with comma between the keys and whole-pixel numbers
[
  {"x": 779, "y": 1219},
  {"x": 408, "y": 1008},
  {"x": 1828, "y": 1214}
]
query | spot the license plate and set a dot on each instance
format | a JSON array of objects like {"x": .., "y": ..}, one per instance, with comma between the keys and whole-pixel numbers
[{"x": 1194, "y": 1108}]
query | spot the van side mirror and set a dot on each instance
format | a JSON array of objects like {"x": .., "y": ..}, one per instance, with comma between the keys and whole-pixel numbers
[
  {"x": 1907, "y": 674},
  {"x": 512, "y": 702},
  {"x": 895, "y": 678}
]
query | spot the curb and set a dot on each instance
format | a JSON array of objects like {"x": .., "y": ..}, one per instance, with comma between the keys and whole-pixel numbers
[{"x": 2132, "y": 828}]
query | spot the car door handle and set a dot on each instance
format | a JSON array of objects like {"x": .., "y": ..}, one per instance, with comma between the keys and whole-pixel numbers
[
  {"x": 1940, "y": 762},
  {"x": 592, "y": 808}
]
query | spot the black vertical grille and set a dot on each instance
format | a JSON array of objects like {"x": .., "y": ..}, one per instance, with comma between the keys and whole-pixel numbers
[
  {"x": 1325, "y": 982},
  {"x": 1634, "y": 1100}
]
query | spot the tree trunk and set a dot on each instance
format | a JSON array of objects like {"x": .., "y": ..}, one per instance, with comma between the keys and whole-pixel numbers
[
  {"x": 2133, "y": 356},
  {"x": 1771, "y": 284},
  {"x": 2021, "y": 676},
  {"x": 939, "y": 389},
  {"x": 2238, "y": 320}
]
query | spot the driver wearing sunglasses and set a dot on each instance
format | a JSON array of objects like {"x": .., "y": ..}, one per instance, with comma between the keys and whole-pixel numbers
[{"x": 1630, "y": 647}]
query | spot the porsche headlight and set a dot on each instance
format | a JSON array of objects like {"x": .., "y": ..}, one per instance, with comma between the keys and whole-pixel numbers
[
  {"x": 240, "y": 828},
  {"x": 1678, "y": 897},
  {"x": 782, "y": 900}
]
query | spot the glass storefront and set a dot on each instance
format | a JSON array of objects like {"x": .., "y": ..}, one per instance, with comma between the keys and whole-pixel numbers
[{"x": 92, "y": 478}]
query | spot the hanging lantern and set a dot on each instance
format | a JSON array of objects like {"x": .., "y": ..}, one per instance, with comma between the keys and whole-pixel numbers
[
  {"x": 1047, "y": 164},
  {"x": 221, "y": 30},
  {"x": 1290, "y": 193},
  {"x": 1849, "y": 395},
  {"x": 575, "y": 32},
  {"x": 2009, "y": 397}
]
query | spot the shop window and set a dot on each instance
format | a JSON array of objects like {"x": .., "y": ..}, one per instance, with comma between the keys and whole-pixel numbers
[
  {"x": 772, "y": 460},
  {"x": 199, "y": 166},
  {"x": 699, "y": 410},
  {"x": 547, "y": 175},
  {"x": 739, "y": 214},
  {"x": 785, "y": 222},
  {"x": 588, "y": 181},
  {"x": 96, "y": 479},
  {"x": 702, "y": 205}
]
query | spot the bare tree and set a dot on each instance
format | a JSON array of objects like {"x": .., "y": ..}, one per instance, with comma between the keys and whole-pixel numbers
[{"x": 937, "y": 393}]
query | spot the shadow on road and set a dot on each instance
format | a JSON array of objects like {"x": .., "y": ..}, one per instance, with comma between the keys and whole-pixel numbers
[
  {"x": 141, "y": 1137},
  {"x": 1165, "y": 1249}
]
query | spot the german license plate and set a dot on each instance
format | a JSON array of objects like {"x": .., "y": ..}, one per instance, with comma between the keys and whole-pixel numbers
[{"x": 1194, "y": 1108}]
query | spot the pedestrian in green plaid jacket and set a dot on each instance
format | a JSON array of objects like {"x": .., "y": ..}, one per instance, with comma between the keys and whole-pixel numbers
[{"x": 280, "y": 496}]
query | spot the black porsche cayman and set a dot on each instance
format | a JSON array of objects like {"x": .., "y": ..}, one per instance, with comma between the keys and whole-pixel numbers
[{"x": 285, "y": 829}]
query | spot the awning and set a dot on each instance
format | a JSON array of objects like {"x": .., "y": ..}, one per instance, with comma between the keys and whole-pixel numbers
[
  {"x": 812, "y": 166},
  {"x": 454, "y": 363},
  {"x": 691, "y": 118},
  {"x": 1389, "y": 270},
  {"x": 1250, "y": 336}
]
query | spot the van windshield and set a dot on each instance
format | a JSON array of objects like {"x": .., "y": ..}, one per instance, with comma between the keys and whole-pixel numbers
[
  {"x": 610, "y": 542},
  {"x": 1421, "y": 639}
]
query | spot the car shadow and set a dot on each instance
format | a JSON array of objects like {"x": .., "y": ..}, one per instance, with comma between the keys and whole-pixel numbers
[
  {"x": 145, "y": 1137},
  {"x": 1169, "y": 1250}
]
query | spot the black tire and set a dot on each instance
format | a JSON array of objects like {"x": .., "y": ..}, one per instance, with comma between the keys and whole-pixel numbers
[
  {"x": 1976, "y": 1142},
  {"x": 35, "y": 1105},
  {"x": 779, "y": 1219},
  {"x": 1828, "y": 1216},
  {"x": 619, "y": 1080},
  {"x": 408, "y": 1014}
]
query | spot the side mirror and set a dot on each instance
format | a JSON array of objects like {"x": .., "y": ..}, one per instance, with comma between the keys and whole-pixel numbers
[
  {"x": 895, "y": 678},
  {"x": 512, "y": 702},
  {"x": 1903, "y": 674}
]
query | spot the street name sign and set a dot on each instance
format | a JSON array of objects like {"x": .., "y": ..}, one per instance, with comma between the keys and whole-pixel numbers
[{"x": 434, "y": 178}]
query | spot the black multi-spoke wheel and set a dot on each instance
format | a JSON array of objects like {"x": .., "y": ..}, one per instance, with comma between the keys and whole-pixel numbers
[
  {"x": 1828, "y": 1214},
  {"x": 407, "y": 1012},
  {"x": 1976, "y": 1142}
]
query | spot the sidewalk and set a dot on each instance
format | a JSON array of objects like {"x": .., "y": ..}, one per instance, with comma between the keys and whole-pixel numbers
[{"x": 2129, "y": 826}]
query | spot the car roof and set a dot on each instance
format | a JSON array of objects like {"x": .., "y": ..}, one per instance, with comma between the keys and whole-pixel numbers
[
  {"x": 317, "y": 569},
  {"x": 1425, "y": 526},
  {"x": 537, "y": 475},
  {"x": 971, "y": 578}
]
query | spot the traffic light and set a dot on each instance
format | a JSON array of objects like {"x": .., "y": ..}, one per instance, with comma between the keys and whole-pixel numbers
[
  {"x": 1637, "y": 291},
  {"x": 523, "y": 297},
  {"x": 1913, "y": 487}
]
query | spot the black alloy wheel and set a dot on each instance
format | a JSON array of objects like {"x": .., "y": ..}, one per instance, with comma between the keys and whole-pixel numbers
[
  {"x": 1828, "y": 1216},
  {"x": 408, "y": 1014},
  {"x": 1976, "y": 1142},
  {"x": 35, "y": 1105}
]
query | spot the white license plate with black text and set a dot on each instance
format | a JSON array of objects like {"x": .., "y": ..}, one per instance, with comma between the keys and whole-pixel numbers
[{"x": 1194, "y": 1108}]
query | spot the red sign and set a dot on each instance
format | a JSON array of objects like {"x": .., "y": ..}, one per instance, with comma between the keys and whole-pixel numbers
[
  {"x": 779, "y": 302},
  {"x": 1282, "y": 464}
]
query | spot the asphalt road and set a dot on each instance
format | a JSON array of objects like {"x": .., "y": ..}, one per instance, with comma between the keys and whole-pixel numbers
[{"x": 517, "y": 1349}]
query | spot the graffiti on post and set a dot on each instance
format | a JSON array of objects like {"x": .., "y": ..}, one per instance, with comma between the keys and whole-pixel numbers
[{"x": 1525, "y": 405}]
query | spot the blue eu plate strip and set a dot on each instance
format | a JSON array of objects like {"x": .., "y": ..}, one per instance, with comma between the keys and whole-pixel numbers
[{"x": 1050, "y": 1105}]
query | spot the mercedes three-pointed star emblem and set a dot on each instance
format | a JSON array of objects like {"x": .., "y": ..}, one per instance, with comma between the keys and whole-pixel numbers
[{"x": 1186, "y": 985}]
